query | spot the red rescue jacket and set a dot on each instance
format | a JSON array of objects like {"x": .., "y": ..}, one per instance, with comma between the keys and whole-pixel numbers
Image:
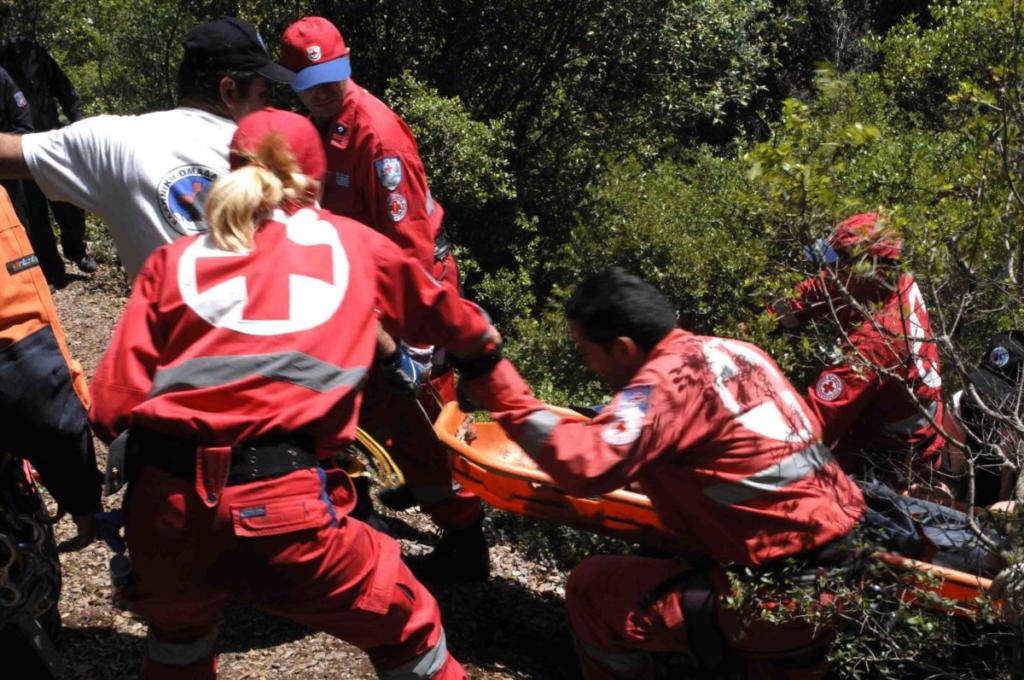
[
  {"x": 375, "y": 175},
  {"x": 716, "y": 437},
  {"x": 225, "y": 347},
  {"x": 860, "y": 401}
]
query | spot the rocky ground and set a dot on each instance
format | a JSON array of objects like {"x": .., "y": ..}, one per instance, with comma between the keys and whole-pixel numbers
[{"x": 510, "y": 627}]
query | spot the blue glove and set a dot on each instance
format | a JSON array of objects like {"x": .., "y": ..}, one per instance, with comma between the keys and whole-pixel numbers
[{"x": 401, "y": 374}]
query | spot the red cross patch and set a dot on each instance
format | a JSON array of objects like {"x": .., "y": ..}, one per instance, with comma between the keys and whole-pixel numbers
[
  {"x": 300, "y": 287},
  {"x": 829, "y": 387}
]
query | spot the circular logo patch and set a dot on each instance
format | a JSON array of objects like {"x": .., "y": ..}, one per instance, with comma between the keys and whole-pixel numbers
[
  {"x": 829, "y": 387},
  {"x": 397, "y": 207},
  {"x": 313, "y": 52},
  {"x": 181, "y": 195},
  {"x": 999, "y": 356}
]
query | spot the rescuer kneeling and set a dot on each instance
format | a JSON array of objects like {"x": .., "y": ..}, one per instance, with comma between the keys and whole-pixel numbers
[{"x": 732, "y": 462}]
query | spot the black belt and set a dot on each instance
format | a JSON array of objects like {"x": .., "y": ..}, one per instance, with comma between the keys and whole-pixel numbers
[{"x": 251, "y": 460}]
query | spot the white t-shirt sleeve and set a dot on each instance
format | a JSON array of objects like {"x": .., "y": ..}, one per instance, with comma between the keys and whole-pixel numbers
[{"x": 75, "y": 163}]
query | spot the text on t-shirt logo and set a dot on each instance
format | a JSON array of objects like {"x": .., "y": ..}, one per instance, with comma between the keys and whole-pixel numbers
[{"x": 182, "y": 196}]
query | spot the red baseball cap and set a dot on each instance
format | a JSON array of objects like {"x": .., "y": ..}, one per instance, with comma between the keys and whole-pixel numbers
[
  {"x": 299, "y": 135},
  {"x": 866, "y": 233},
  {"x": 315, "y": 50}
]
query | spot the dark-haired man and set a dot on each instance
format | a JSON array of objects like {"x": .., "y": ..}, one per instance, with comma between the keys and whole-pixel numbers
[
  {"x": 725, "y": 449},
  {"x": 147, "y": 175}
]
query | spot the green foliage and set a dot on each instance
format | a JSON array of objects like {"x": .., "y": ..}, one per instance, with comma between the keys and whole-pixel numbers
[
  {"x": 468, "y": 160},
  {"x": 690, "y": 229},
  {"x": 922, "y": 67},
  {"x": 891, "y": 622}
]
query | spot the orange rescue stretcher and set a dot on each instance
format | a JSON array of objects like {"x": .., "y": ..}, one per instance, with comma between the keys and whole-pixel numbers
[{"x": 488, "y": 463}]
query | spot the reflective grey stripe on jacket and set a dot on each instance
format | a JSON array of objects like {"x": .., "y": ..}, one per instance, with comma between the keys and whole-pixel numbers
[
  {"x": 423, "y": 667},
  {"x": 536, "y": 430},
  {"x": 297, "y": 368},
  {"x": 789, "y": 470},
  {"x": 913, "y": 423},
  {"x": 180, "y": 653}
]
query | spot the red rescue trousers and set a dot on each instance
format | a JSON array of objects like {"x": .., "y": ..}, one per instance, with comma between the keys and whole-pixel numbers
[
  {"x": 617, "y": 624},
  {"x": 283, "y": 546},
  {"x": 398, "y": 422}
]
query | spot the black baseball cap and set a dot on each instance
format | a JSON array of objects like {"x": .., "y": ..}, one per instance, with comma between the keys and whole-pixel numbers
[
  {"x": 231, "y": 44},
  {"x": 1000, "y": 374}
]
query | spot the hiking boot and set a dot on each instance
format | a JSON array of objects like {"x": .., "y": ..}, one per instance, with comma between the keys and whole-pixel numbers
[
  {"x": 397, "y": 498},
  {"x": 461, "y": 556},
  {"x": 55, "y": 281},
  {"x": 363, "y": 510},
  {"x": 87, "y": 264}
]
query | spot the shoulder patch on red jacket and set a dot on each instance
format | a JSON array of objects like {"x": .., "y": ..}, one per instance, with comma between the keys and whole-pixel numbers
[
  {"x": 389, "y": 171},
  {"x": 631, "y": 407},
  {"x": 829, "y": 387}
]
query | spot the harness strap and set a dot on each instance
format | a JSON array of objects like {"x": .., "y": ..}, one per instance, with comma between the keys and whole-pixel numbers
[{"x": 700, "y": 613}]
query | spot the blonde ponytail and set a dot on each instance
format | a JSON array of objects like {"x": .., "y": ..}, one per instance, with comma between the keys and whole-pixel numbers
[{"x": 239, "y": 200}]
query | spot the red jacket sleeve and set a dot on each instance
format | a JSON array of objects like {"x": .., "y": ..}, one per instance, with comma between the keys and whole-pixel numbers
[
  {"x": 811, "y": 301},
  {"x": 124, "y": 376},
  {"x": 839, "y": 396},
  {"x": 595, "y": 456},
  {"x": 405, "y": 213},
  {"x": 415, "y": 307}
]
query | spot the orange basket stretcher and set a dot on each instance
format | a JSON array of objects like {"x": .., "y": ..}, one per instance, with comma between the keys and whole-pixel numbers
[{"x": 485, "y": 461}]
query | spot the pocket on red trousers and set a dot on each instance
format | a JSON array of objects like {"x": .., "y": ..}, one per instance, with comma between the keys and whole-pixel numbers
[
  {"x": 275, "y": 516},
  {"x": 378, "y": 596}
]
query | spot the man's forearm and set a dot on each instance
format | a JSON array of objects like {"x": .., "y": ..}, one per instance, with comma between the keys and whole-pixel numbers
[
  {"x": 12, "y": 161},
  {"x": 386, "y": 345}
]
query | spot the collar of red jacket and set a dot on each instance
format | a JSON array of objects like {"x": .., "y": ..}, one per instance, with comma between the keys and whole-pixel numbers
[{"x": 347, "y": 116}]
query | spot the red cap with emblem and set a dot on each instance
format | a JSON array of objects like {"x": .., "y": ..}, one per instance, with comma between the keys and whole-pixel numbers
[
  {"x": 315, "y": 50},
  {"x": 868, "y": 233},
  {"x": 298, "y": 133}
]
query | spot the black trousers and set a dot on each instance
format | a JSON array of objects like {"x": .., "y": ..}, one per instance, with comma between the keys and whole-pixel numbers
[{"x": 70, "y": 219}]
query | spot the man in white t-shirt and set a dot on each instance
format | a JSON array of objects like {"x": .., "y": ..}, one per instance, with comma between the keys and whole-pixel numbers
[{"x": 147, "y": 175}]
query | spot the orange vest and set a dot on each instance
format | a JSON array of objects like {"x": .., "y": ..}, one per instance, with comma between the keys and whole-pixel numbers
[{"x": 25, "y": 302}]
